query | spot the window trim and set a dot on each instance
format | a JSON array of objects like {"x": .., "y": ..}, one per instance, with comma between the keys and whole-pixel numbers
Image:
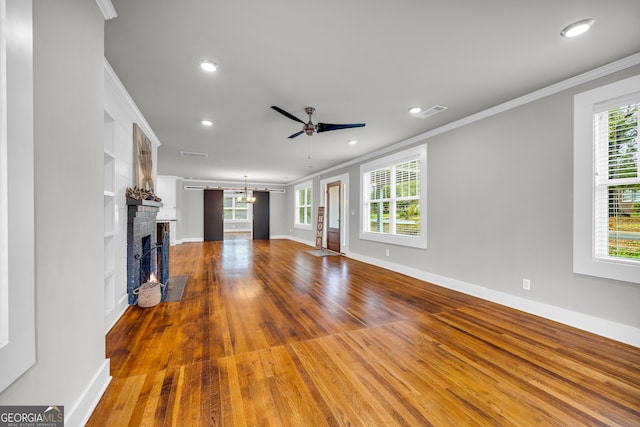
[
  {"x": 296, "y": 218},
  {"x": 416, "y": 153},
  {"x": 584, "y": 215}
]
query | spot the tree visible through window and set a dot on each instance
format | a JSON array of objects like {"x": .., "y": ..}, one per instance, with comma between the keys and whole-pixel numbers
[
  {"x": 234, "y": 209},
  {"x": 394, "y": 199},
  {"x": 617, "y": 190}
]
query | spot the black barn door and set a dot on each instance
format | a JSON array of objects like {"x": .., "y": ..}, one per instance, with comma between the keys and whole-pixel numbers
[
  {"x": 213, "y": 215},
  {"x": 261, "y": 215}
]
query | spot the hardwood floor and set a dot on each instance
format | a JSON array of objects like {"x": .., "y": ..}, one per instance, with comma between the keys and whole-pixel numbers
[{"x": 267, "y": 334}]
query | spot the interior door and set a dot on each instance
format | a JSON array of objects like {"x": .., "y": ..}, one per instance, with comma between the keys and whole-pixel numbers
[
  {"x": 213, "y": 215},
  {"x": 261, "y": 215},
  {"x": 332, "y": 215}
]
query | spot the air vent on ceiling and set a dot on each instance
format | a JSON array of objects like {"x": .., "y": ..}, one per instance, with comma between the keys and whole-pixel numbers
[
  {"x": 193, "y": 154},
  {"x": 431, "y": 111}
]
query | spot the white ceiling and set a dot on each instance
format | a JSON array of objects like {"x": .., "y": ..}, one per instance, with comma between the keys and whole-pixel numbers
[{"x": 353, "y": 60}]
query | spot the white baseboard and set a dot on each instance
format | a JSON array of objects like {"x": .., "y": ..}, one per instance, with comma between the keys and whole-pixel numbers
[
  {"x": 304, "y": 242},
  {"x": 80, "y": 412},
  {"x": 279, "y": 237},
  {"x": 192, "y": 239},
  {"x": 603, "y": 327},
  {"x": 118, "y": 311}
]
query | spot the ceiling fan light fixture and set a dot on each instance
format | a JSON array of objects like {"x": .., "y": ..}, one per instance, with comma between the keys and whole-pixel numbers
[
  {"x": 577, "y": 28},
  {"x": 415, "y": 110},
  {"x": 208, "y": 65}
]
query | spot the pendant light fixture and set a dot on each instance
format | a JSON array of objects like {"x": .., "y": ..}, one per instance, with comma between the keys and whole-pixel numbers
[{"x": 246, "y": 197}]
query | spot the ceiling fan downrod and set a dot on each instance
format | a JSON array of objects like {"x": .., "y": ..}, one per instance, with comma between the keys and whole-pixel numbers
[{"x": 309, "y": 127}]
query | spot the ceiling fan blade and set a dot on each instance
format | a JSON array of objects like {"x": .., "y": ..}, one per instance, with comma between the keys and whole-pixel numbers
[
  {"x": 324, "y": 127},
  {"x": 296, "y": 134},
  {"x": 284, "y": 113}
]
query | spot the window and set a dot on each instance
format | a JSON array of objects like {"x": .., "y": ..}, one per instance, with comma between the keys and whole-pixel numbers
[
  {"x": 607, "y": 181},
  {"x": 617, "y": 182},
  {"x": 304, "y": 198},
  {"x": 393, "y": 198},
  {"x": 235, "y": 210}
]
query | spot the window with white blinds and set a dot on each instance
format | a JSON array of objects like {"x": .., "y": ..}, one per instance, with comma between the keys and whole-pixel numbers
[
  {"x": 606, "y": 181},
  {"x": 393, "y": 199},
  {"x": 617, "y": 182}
]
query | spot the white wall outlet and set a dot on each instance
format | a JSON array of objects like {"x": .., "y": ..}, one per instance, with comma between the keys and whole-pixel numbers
[
  {"x": 387, "y": 252},
  {"x": 526, "y": 284}
]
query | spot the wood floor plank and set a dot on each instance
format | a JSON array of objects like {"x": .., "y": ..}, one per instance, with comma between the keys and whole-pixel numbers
[{"x": 268, "y": 335}]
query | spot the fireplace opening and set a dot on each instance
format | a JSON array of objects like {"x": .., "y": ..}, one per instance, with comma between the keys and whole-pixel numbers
[
  {"x": 142, "y": 247},
  {"x": 145, "y": 260}
]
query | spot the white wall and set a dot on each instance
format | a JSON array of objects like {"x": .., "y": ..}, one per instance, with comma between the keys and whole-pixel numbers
[
  {"x": 499, "y": 210},
  {"x": 71, "y": 368}
]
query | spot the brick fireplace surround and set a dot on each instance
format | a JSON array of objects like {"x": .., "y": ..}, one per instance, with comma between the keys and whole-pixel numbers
[{"x": 142, "y": 248}]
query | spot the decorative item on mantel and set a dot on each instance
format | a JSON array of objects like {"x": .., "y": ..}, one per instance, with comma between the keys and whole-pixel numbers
[
  {"x": 137, "y": 193},
  {"x": 149, "y": 293}
]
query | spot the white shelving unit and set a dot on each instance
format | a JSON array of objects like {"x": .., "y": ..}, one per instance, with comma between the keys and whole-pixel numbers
[{"x": 109, "y": 216}]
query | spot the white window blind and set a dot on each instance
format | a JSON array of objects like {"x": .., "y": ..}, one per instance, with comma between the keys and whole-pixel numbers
[
  {"x": 393, "y": 199},
  {"x": 408, "y": 198},
  {"x": 617, "y": 181},
  {"x": 379, "y": 200}
]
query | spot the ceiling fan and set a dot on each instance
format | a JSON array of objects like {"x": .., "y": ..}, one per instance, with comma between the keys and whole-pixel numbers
[{"x": 310, "y": 128}]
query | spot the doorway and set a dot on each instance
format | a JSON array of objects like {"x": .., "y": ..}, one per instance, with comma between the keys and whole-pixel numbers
[
  {"x": 332, "y": 216},
  {"x": 237, "y": 216},
  {"x": 228, "y": 216},
  {"x": 335, "y": 198}
]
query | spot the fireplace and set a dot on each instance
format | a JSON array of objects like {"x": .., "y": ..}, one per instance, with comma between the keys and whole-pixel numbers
[{"x": 142, "y": 247}]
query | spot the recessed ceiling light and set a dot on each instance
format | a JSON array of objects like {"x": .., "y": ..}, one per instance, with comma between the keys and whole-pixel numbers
[
  {"x": 208, "y": 65},
  {"x": 415, "y": 110},
  {"x": 577, "y": 28},
  {"x": 352, "y": 141},
  {"x": 207, "y": 122}
]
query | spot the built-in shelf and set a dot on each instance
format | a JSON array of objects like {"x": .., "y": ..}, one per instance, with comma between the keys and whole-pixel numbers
[
  {"x": 109, "y": 214},
  {"x": 109, "y": 193}
]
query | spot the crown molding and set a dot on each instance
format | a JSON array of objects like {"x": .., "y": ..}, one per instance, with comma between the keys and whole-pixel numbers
[
  {"x": 111, "y": 76},
  {"x": 586, "y": 77},
  {"x": 107, "y": 9}
]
